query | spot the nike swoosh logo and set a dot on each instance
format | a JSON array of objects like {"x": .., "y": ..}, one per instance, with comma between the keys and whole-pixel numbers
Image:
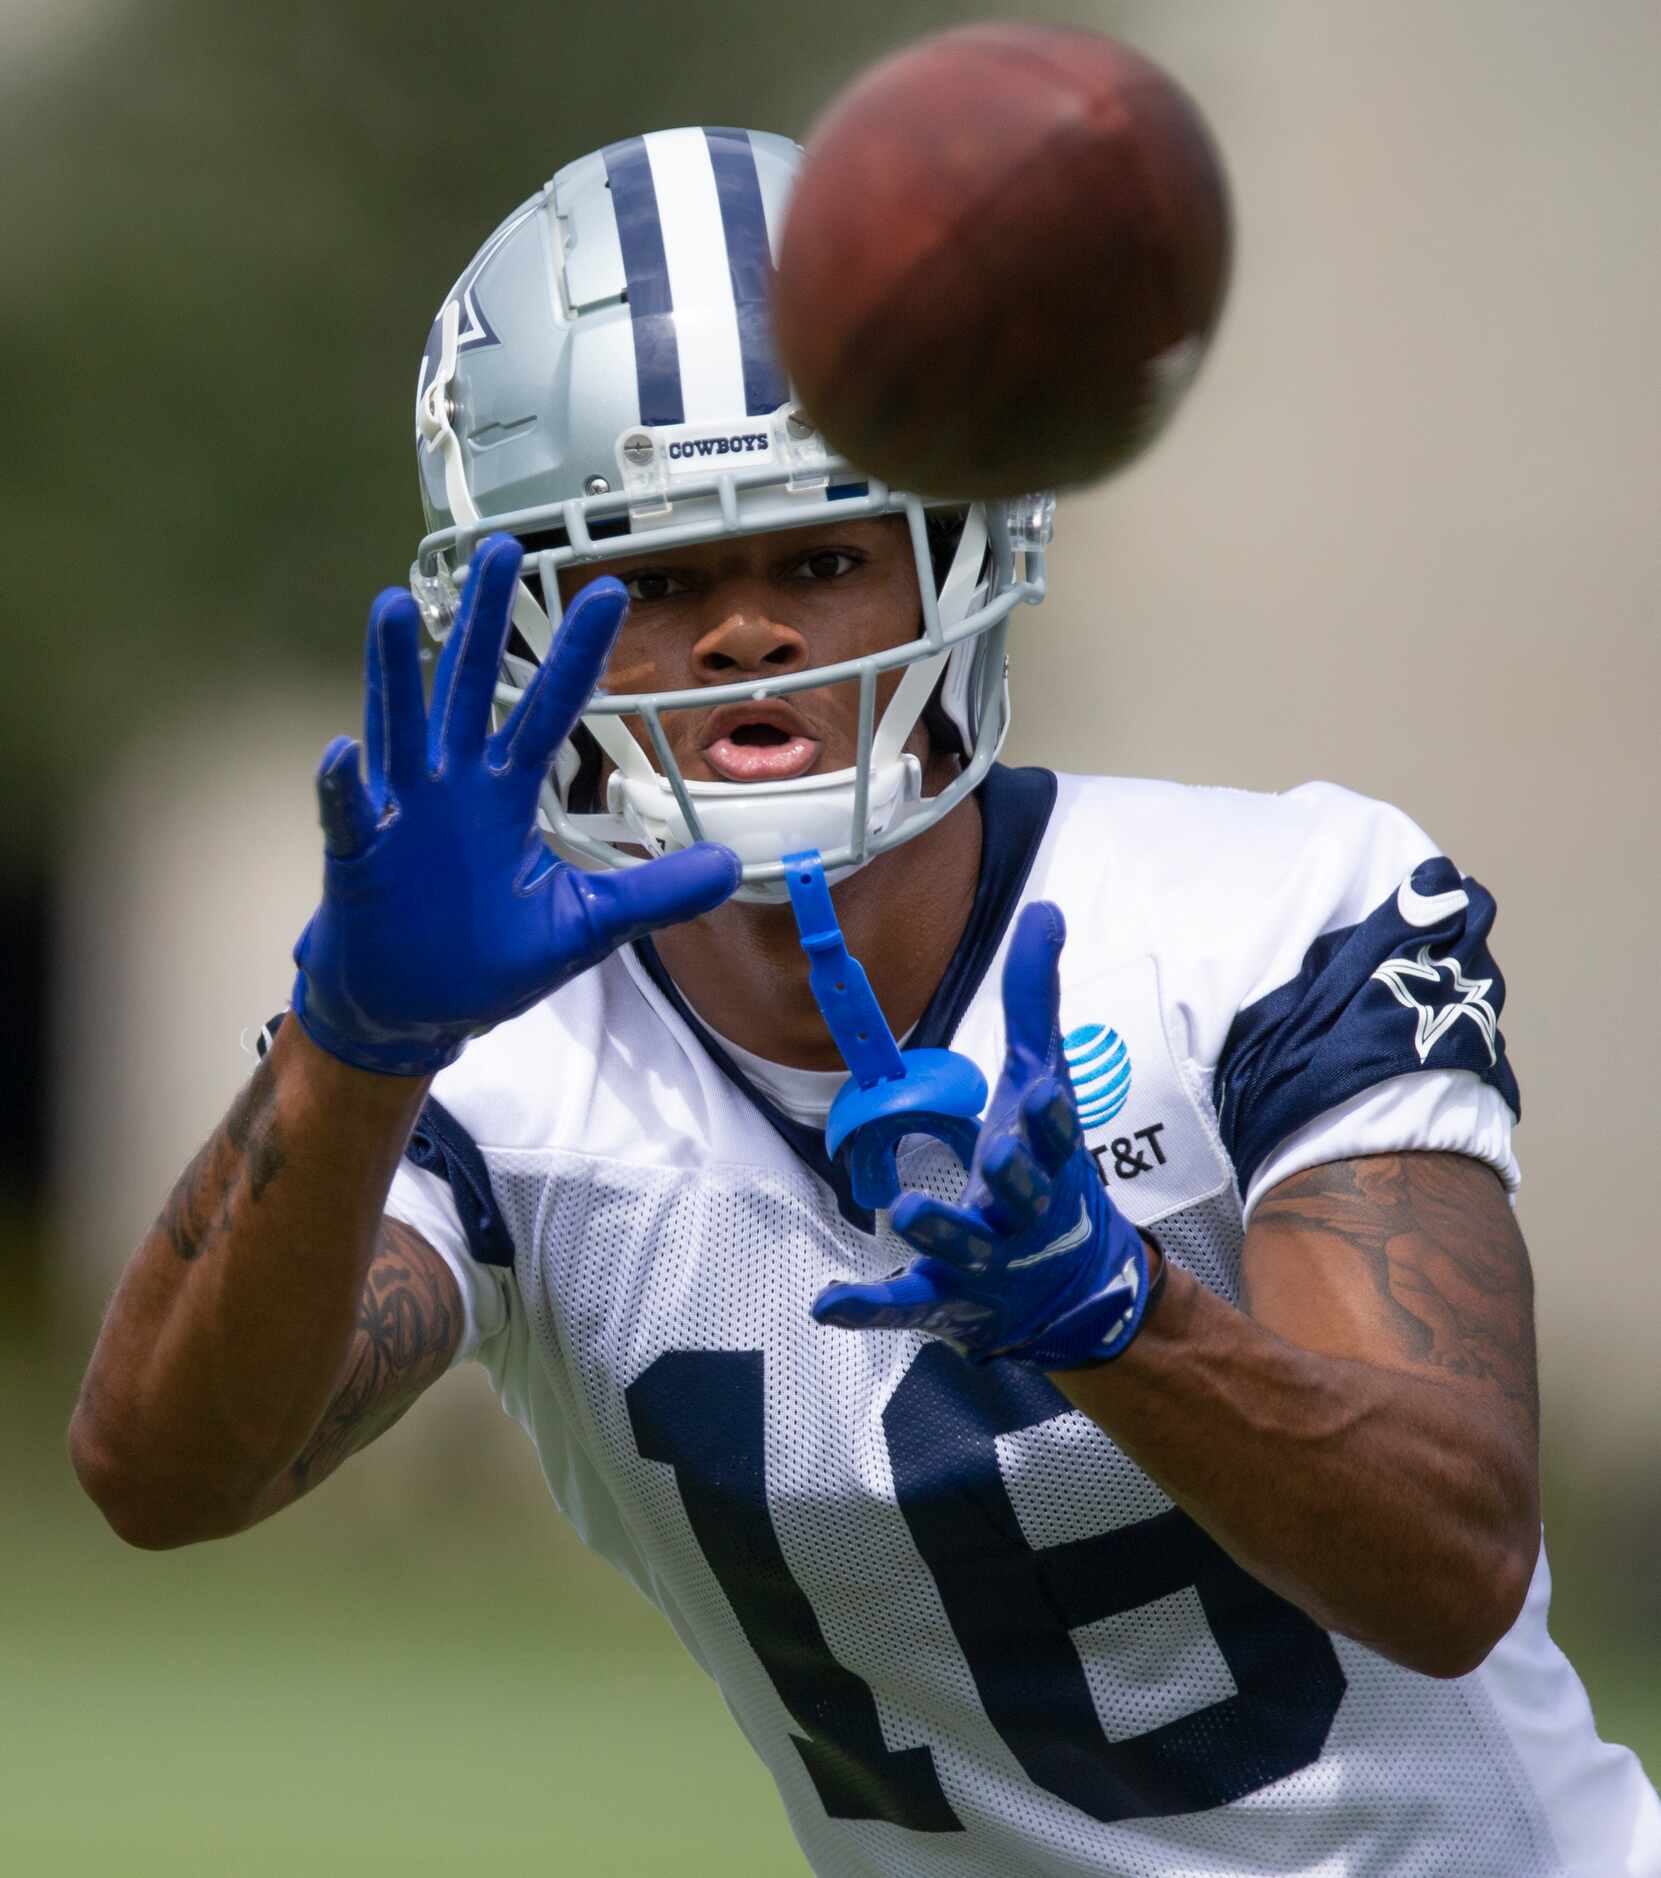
[
  {"x": 1429, "y": 909},
  {"x": 1068, "y": 1241}
]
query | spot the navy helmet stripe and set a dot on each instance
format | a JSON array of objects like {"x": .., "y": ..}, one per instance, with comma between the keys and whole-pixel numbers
[
  {"x": 657, "y": 361},
  {"x": 750, "y": 264}
]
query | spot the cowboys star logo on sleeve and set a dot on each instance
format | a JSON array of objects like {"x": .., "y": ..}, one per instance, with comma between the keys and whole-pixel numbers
[{"x": 1438, "y": 991}]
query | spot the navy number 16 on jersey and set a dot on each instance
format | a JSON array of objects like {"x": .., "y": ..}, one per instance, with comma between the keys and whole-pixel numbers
[{"x": 1012, "y": 1606}]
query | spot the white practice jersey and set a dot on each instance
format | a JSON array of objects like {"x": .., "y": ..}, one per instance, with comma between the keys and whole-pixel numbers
[{"x": 966, "y": 1633}]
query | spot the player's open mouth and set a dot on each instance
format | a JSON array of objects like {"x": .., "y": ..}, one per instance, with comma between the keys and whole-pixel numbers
[{"x": 759, "y": 743}]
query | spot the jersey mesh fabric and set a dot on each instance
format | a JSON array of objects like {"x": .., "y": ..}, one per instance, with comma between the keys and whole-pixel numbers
[
  {"x": 943, "y": 1580},
  {"x": 1417, "y": 1778}
]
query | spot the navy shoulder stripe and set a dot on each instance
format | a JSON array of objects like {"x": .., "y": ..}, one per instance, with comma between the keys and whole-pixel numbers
[
  {"x": 441, "y": 1145},
  {"x": 1412, "y": 986}
]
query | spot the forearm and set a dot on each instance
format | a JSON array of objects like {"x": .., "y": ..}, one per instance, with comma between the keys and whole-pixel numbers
[
  {"x": 232, "y": 1326},
  {"x": 1369, "y": 1497}
]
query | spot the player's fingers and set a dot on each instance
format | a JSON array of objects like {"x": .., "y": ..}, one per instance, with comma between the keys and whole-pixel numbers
[
  {"x": 1049, "y": 1117},
  {"x": 1018, "y": 1186},
  {"x": 465, "y": 682},
  {"x": 395, "y": 714},
  {"x": 343, "y": 805},
  {"x": 565, "y": 680},
  {"x": 1032, "y": 983},
  {"x": 946, "y": 1232},
  {"x": 913, "y": 1300},
  {"x": 625, "y": 906}
]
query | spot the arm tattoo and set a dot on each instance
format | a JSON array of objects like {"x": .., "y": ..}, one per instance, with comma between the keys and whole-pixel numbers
[
  {"x": 409, "y": 1319},
  {"x": 243, "y": 1155},
  {"x": 1447, "y": 1264}
]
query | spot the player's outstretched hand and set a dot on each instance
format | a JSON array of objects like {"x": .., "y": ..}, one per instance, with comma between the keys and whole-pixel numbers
[
  {"x": 1035, "y": 1263},
  {"x": 443, "y": 911}
]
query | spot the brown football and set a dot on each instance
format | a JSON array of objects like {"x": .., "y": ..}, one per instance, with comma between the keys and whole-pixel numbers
[{"x": 1004, "y": 257}]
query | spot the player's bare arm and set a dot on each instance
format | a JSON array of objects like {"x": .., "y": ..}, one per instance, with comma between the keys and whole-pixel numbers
[
  {"x": 1411, "y": 1261},
  {"x": 241, "y": 1337},
  {"x": 1361, "y": 1434},
  {"x": 408, "y": 1328},
  {"x": 255, "y": 1339}
]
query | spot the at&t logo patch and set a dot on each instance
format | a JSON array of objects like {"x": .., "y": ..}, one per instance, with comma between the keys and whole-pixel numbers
[{"x": 1098, "y": 1060}]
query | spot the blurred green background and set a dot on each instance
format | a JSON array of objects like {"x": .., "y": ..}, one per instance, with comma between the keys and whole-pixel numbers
[
  {"x": 448, "y": 1681},
  {"x": 1405, "y": 538}
]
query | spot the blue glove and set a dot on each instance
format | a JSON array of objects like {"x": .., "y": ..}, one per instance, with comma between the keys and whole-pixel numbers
[
  {"x": 443, "y": 910},
  {"x": 1035, "y": 1264}
]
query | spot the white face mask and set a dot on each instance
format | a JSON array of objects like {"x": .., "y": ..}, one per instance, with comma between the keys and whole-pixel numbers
[{"x": 849, "y": 815}]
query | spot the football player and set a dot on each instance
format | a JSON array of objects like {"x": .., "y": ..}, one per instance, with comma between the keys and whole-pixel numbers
[{"x": 1100, "y": 1437}]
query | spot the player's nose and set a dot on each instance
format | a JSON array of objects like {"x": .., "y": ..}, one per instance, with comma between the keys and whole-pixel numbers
[{"x": 747, "y": 639}]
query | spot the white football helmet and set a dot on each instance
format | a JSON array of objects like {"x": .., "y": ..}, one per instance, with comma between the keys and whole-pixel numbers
[{"x": 601, "y": 379}]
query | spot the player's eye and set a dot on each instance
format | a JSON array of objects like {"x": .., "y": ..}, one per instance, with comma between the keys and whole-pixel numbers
[
  {"x": 826, "y": 564},
  {"x": 652, "y": 584}
]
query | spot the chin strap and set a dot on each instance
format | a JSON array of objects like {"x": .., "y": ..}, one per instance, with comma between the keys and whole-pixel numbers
[{"x": 891, "y": 1092}]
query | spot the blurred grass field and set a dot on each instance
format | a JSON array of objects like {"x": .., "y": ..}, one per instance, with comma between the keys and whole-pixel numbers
[
  {"x": 345, "y": 1692},
  {"x": 367, "y": 1686}
]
